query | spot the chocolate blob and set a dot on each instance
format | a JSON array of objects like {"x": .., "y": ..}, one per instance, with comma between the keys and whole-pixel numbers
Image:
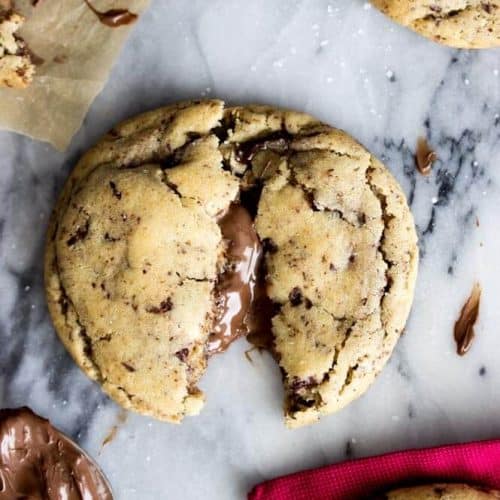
[
  {"x": 113, "y": 17},
  {"x": 424, "y": 156},
  {"x": 37, "y": 462}
]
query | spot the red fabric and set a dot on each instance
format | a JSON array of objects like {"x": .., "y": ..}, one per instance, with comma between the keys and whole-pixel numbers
[{"x": 476, "y": 463}]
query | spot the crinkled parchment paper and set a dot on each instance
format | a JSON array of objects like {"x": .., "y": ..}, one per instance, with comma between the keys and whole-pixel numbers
[{"x": 78, "y": 52}]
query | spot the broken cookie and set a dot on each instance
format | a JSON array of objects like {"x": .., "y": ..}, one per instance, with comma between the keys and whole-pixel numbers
[
  {"x": 192, "y": 225},
  {"x": 16, "y": 66}
]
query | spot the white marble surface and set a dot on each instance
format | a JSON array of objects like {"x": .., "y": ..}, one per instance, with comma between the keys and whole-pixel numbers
[{"x": 345, "y": 63}]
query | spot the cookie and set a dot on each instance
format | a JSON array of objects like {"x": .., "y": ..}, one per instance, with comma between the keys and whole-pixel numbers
[
  {"x": 38, "y": 461},
  {"x": 191, "y": 225},
  {"x": 16, "y": 67},
  {"x": 442, "y": 492},
  {"x": 467, "y": 24}
]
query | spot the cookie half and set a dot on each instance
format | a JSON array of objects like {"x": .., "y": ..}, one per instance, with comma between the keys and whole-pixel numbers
[
  {"x": 467, "y": 24},
  {"x": 442, "y": 492},
  {"x": 194, "y": 224}
]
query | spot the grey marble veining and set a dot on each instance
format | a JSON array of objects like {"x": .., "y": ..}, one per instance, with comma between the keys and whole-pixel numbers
[{"x": 345, "y": 63}]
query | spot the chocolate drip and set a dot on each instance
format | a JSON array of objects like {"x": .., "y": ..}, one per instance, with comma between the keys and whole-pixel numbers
[
  {"x": 37, "y": 461},
  {"x": 113, "y": 17}
]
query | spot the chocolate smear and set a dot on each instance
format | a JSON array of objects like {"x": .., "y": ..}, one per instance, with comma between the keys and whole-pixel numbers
[
  {"x": 113, "y": 17},
  {"x": 38, "y": 461},
  {"x": 464, "y": 326},
  {"x": 424, "y": 157},
  {"x": 121, "y": 418}
]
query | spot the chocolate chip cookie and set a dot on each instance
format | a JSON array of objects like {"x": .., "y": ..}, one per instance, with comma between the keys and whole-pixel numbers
[
  {"x": 191, "y": 225},
  {"x": 442, "y": 492},
  {"x": 16, "y": 67},
  {"x": 467, "y": 24}
]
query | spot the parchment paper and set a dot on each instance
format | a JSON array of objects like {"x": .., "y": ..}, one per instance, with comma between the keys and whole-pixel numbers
[{"x": 78, "y": 52}]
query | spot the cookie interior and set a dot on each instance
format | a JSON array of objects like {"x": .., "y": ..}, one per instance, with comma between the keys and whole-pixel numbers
[{"x": 136, "y": 256}]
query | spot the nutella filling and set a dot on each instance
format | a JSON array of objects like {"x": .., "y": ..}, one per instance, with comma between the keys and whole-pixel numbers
[
  {"x": 38, "y": 462},
  {"x": 237, "y": 285},
  {"x": 113, "y": 17}
]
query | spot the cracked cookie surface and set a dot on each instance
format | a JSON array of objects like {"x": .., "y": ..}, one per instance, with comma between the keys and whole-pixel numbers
[
  {"x": 135, "y": 252},
  {"x": 469, "y": 24},
  {"x": 442, "y": 492}
]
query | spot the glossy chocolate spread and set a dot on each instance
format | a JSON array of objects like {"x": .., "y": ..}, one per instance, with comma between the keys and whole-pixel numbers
[{"x": 37, "y": 462}]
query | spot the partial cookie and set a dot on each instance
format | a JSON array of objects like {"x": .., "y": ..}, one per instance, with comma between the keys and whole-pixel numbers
[
  {"x": 194, "y": 224},
  {"x": 16, "y": 67},
  {"x": 38, "y": 461},
  {"x": 442, "y": 492},
  {"x": 468, "y": 24}
]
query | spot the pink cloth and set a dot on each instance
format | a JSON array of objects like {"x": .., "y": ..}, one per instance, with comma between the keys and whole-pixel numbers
[{"x": 475, "y": 463}]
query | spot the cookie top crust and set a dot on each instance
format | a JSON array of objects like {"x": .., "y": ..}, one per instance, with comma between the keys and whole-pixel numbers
[
  {"x": 468, "y": 24},
  {"x": 442, "y": 492},
  {"x": 136, "y": 253}
]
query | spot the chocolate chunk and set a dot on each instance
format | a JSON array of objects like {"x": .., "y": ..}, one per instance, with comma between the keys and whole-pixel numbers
[
  {"x": 130, "y": 368},
  {"x": 269, "y": 246},
  {"x": 80, "y": 234},
  {"x": 487, "y": 7},
  {"x": 116, "y": 192},
  {"x": 165, "y": 306},
  {"x": 183, "y": 354},
  {"x": 295, "y": 297},
  {"x": 464, "y": 326}
]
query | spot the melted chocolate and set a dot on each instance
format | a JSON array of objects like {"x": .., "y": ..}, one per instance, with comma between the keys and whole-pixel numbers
[
  {"x": 424, "y": 156},
  {"x": 38, "y": 462},
  {"x": 277, "y": 141},
  {"x": 113, "y": 17},
  {"x": 235, "y": 291},
  {"x": 259, "y": 318},
  {"x": 464, "y": 326}
]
